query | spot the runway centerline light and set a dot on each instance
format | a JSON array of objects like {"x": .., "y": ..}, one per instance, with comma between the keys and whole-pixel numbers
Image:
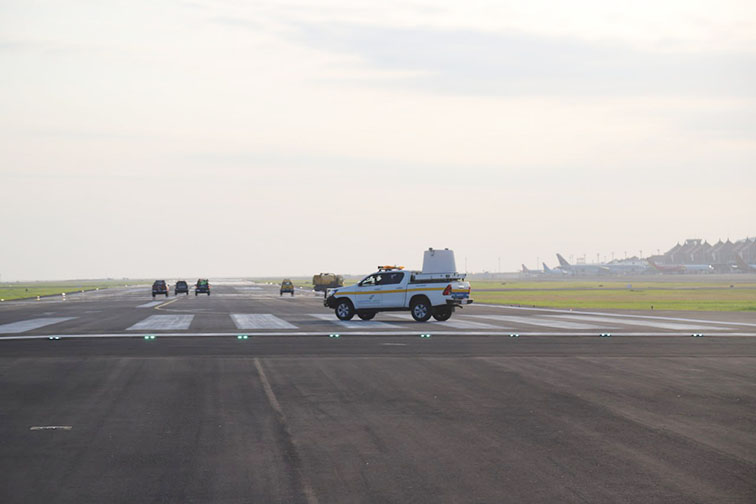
[
  {"x": 242, "y": 336},
  {"x": 605, "y": 335},
  {"x": 334, "y": 335},
  {"x": 425, "y": 335},
  {"x": 149, "y": 336},
  {"x": 514, "y": 335}
]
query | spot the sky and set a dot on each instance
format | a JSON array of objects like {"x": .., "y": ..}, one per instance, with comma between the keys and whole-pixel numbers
[{"x": 267, "y": 138}]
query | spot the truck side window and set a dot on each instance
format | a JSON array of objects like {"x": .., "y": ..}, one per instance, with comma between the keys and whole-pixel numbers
[{"x": 393, "y": 278}]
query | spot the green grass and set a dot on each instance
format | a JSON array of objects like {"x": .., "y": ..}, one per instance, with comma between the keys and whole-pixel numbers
[
  {"x": 23, "y": 290},
  {"x": 700, "y": 298}
]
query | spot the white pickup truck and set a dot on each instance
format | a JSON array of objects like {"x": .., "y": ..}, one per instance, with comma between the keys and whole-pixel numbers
[{"x": 424, "y": 293}]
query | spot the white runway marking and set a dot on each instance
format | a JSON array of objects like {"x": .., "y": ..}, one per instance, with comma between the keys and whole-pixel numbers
[
  {"x": 163, "y": 323},
  {"x": 50, "y": 427},
  {"x": 512, "y": 319},
  {"x": 354, "y": 324},
  {"x": 28, "y": 325},
  {"x": 402, "y": 332},
  {"x": 621, "y": 315},
  {"x": 259, "y": 321},
  {"x": 453, "y": 323},
  {"x": 638, "y": 322},
  {"x": 150, "y": 304}
]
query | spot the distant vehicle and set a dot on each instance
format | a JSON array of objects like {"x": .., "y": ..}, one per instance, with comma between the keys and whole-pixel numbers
[
  {"x": 325, "y": 281},
  {"x": 682, "y": 268},
  {"x": 181, "y": 286},
  {"x": 202, "y": 287},
  {"x": 287, "y": 286},
  {"x": 159, "y": 287},
  {"x": 434, "y": 292}
]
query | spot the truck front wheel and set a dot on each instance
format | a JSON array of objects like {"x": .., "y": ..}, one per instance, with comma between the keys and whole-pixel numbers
[
  {"x": 442, "y": 313},
  {"x": 420, "y": 309},
  {"x": 344, "y": 309}
]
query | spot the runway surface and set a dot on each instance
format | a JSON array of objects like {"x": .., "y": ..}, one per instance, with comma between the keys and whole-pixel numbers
[{"x": 292, "y": 413}]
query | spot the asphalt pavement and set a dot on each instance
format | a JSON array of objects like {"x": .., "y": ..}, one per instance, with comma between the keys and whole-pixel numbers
[{"x": 507, "y": 405}]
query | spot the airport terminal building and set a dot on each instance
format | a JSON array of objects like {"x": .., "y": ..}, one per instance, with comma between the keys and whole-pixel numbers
[{"x": 722, "y": 254}]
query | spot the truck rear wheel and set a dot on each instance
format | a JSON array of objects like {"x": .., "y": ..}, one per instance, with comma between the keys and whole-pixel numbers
[
  {"x": 344, "y": 309},
  {"x": 442, "y": 313},
  {"x": 421, "y": 309},
  {"x": 366, "y": 315}
]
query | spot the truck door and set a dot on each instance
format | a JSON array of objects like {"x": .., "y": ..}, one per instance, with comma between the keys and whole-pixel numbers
[
  {"x": 394, "y": 290},
  {"x": 369, "y": 292}
]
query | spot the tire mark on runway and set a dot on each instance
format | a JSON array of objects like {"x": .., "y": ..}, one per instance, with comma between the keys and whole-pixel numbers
[{"x": 288, "y": 440}]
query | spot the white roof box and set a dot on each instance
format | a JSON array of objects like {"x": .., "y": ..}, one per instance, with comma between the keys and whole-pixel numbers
[{"x": 439, "y": 261}]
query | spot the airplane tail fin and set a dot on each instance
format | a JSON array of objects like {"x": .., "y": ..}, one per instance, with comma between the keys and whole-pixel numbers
[
  {"x": 562, "y": 261},
  {"x": 546, "y": 268},
  {"x": 741, "y": 263},
  {"x": 525, "y": 269}
]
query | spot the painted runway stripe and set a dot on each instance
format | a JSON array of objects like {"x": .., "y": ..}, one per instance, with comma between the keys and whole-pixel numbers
[
  {"x": 324, "y": 334},
  {"x": 150, "y": 304},
  {"x": 536, "y": 321},
  {"x": 354, "y": 324},
  {"x": 163, "y": 323},
  {"x": 453, "y": 322},
  {"x": 28, "y": 325},
  {"x": 613, "y": 322},
  {"x": 620, "y": 315},
  {"x": 259, "y": 321}
]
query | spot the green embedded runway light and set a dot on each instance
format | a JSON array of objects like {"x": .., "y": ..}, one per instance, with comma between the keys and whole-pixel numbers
[
  {"x": 242, "y": 336},
  {"x": 425, "y": 335},
  {"x": 149, "y": 336},
  {"x": 53, "y": 337},
  {"x": 697, "y": 335},
  {"x": 514, "y": 335},
  {"x": 333, "y": 335},
  {"x": 605, "y": 335}
]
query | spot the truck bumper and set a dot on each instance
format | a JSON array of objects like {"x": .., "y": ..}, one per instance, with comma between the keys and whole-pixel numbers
[
  {"x": 459, "y": 302},
  {"x": 329, "y": 302}
]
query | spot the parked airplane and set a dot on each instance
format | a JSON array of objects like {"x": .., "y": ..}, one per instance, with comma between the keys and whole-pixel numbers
[
  {"x": 627, "y": 268},
  {"x": 546, "y": 271},
  {"x": 554, "y": 271},
  {"x": 581, "y": 269},
  {"x": 744, "y": 266},
  {"x": 682, "y": 268}
]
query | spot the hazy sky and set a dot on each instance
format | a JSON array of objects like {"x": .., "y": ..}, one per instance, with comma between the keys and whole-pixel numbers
[{"x": 168, "y": 138}]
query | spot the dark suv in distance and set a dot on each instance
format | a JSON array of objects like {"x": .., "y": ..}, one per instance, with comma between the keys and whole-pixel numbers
[
  {"x": 181, "y": 286},
  {"x": 202, "y": 287},
  {"x": 287, "y": 286},
  {"x": 159, "y": 287}
]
